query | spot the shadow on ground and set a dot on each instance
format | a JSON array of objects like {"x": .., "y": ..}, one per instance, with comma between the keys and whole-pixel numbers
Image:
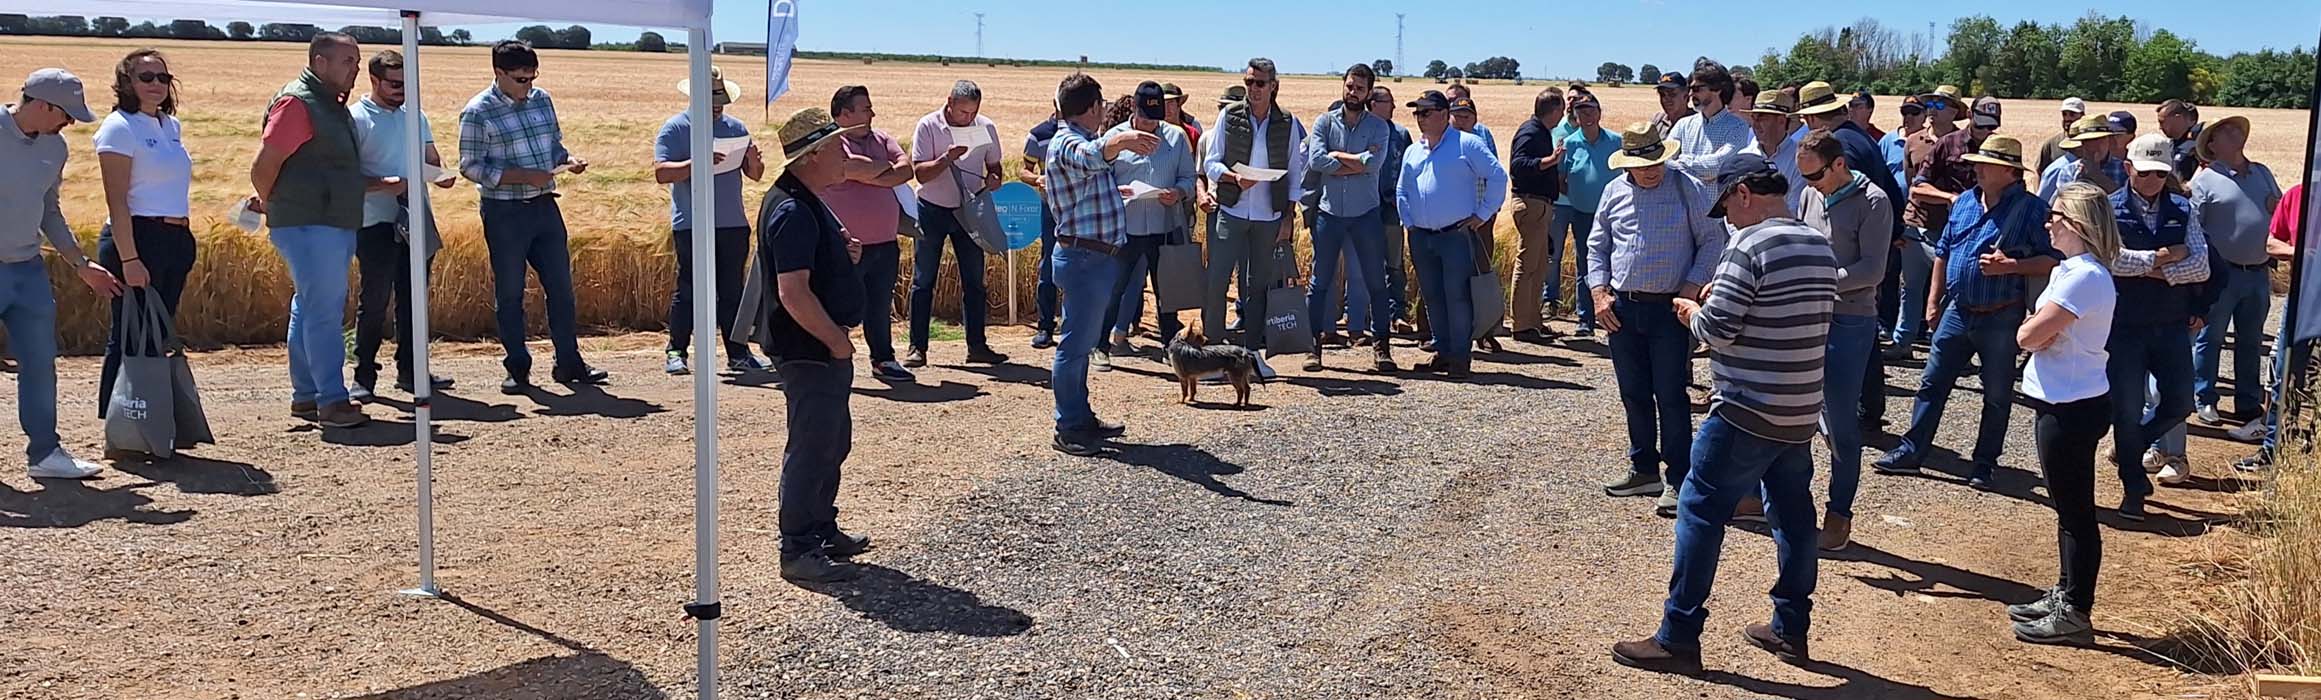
[
  {"x": 67, "y": 503},
  {"x": 1191, "y": 464},
  {"x": 907, "y": 603}
]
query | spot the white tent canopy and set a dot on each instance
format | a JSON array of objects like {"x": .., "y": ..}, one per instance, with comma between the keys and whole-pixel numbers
[{"x": 690, "y": 15}]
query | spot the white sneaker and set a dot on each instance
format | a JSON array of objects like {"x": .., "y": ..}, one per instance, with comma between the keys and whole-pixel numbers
[
  {"x": 62, "y": 465},
  {"x": 2252, "y": 431},
  {"x": 2176, "y": 472},
  {"x": 2207, "y": 415},
  {"x": 1265, "y": 371},
  {"x": 2153, "y": 461}
]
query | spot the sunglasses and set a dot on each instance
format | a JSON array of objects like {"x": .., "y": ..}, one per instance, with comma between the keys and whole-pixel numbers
[
  {"x": 522, "y": 80},
  {"x": 1256, "y": 82},
  {"x": 1424, "y": 113},
  {"x": 1937, "y": 104},
  {"x": 1912, "y": 111},
  {"x": 393, "y": 84},
  {"x": 2156, "y": 174},
  {"x": 148, "y": 77}
]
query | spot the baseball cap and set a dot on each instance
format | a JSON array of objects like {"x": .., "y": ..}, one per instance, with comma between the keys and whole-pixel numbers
[
  {"x": 1986, "y": 112},
  {"x": 1151, "y": 103},
  {"x": 2122, "y": 121},
  {"x": 1585, "y": 100},
  {"x": 2074, "y": 105},
  {"x": 1913, "y": 105},
  {"x": 1670, "y": 81},
  {"x": 1431, "y": 99},
  {"x": 1862, "y": 98},
  {"x": 1732, "y": 171},
  {"x": 2151, "y": 153},
  {"x": 1170, "y": 91},
  {"x": 1463, "y": 104},
  {"x": 59, "y": 87}
]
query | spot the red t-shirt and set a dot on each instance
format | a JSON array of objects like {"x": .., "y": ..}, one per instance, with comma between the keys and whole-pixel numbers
[
  {"x": 2288, "y": 214},
  {"x": 287, "y": 125}
]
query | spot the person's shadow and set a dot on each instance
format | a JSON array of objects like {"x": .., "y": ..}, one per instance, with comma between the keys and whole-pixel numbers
[
  {"x": 1924, "y": 577},
  {"x": 590, "y": 400},
  {"x": 1191, "y": 464},
  {"x": 1334, "y": 386},
  {"x": 383, "y": 433},
  {"x": 906, "y": 603},
  {"x": 450, "y": 407},
  {"x": 942, "y": 392},
  {"x": 1858, "y": 684},
  {"x": 69, "y": 503},
  {"x": 194, "y": 474},
  {"x": 1026, "y": 375}
]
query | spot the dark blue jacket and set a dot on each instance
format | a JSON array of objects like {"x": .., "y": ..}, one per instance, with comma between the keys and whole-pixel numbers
[{"x": 2148, "y": 301}]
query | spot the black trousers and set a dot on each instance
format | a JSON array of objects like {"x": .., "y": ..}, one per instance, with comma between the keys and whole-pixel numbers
[
  {"x": 167, "y": 251},
  {"x": 821, "y": 435},
  {"x": 385, "y": 264},
  {"x": 2066, "y": 435},
  {"x": 732, "y": 258}
]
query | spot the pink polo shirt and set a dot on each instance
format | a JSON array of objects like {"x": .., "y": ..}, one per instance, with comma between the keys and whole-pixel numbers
[{"x": 868, "y": 211}]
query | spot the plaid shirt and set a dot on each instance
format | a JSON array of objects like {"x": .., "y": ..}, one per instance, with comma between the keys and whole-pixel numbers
[
  {"x": 1083, "y": 198},
  {"x": 1655, "y": 240},
  {"x": 2018, "y": 226},
  {"x": 497, "y": 133}
]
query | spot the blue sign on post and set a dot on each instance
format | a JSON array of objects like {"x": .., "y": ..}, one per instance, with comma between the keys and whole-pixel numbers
[{"x": 1020, "y": 212}]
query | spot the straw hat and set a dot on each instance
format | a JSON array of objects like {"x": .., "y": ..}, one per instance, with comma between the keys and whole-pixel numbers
[
  {"x": 1233, "y": 94},
  {"x": 2200, "y": 143},
  {"x": 723, "y": 93},
  {"x": 1642, "y": 145},
  {"x": 1782, "y": 103},
  {"x": 808, "y": 130},
  {"x": 2088, "y": 129},
  {"x": 2000, "y": 150},
  {"x": 1817, "y": 97},
  {"x": 1949, "y": 94}
]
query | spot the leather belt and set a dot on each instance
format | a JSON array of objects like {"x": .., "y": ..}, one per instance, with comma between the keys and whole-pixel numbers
[
  {"x": 1088, "y": 244},
  {"x": 2266, "y": 265},
  {"x": 171, "y": 220},
  {"x": 1989, "y": 308},
  {"x": 1646, "y": 297}
]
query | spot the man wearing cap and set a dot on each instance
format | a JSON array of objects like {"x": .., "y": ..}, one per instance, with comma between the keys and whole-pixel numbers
[
  {"x": 1587, "y": 171},
  {"x": 1341, "y": 158},
  {"x": 2163, "y": 259},
  {"x": 308, "y": 180},
  {"x": 1466, "y": 118},
  {"x": 1091, "y": 228},
  {"x": 1044, "y": 296},
  {"x": 1389, "y": 215},
  {"x": 2180, "y": 121},
  {"x": 820, "y": 296},
  {"x": 1536, "y": 171},
  {"x": 1861, "y": 108},
  {"x": 1774, "y": 123},
  {"x": 1937, "y": 176},
  {"x": 1765, "y": 320},
  {"x": 1897, "y": 143},
  {"x": 673, "y": 166},
  {"x": 2233, "y": 197},
  {"x": 949, "y": 172},
  {"x": 2087, "y": 158},
  {"x": 31, "y": 144},
  {"x": 2074, "y": 109},
  {"x": 865, "y": 204},
  {"x": 1714, "y": 132},
  {"x": 1445, "y": 213},
  {"x": 1675, "y": 104},
  {"x": 1152, "y": 221},
  {"x": 1254, "y": 213},
  {"x": 1996, "y": 240},
  {"x": 1858, "y": 220},
  {"x": 1652, "y": 251}
]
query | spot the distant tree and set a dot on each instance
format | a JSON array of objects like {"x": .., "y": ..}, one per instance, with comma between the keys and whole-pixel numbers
[
  {"x": 364, "y": 34},
  {"x": 2268, "y": 78},
  {"x": 1648, "y": 74},
  {"x": 432, "y": 36},
  {"x": 2026, "y": 64},
  {"x": 189, "y": 29},
  {"x": 148, "y": 30},
  {"x": 1473, "y": 70},
  {"x": 540, "y": 37},
  {"x": 1611, "y": 72},
  {"x": 15, "y": 24},
  {"x": 461, "y": 37},
  {"x": 69, "y": 25},
  {"x": 2160, "y": 69},
  {"x": 574, "y": 37},
  {"x": 287, "y": 32},
  {"x": 240, "y": 30},
  {"x": 1454, "y": 73},
  {"x": 652, "y": 42},
  {"x": 1383, "y": 67},
  {"x": 1436, "y": 69},
  {"x": 1974, "y": 41},
  {"x": 2091, "y": 55}
]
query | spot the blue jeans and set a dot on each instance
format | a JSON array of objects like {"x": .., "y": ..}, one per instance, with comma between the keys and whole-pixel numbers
[
  {"x": 1085, "y": 277},
  {"x": 881, "y": 262},
  {"x": 1397, "y": 264},
  {"x": 1732, "y": 465},
  {"x": 1445, "y": 260},
  {"x": 1140, "y": 260},
  {"x": 2244, "y": 297},
  {"x": 1333, "y": 237},
  {"x": 2162, "y": 352},
  {"x": 1577, "y": 223},
  {"x": 1852, "y": 342},
  {"x": 1044, "y": 293},
  {"x": 1991, "y": 338},
  {"x": 1652, "y": 361},
  {"x": 28, "y": 308},
  {"x": 530, "y": 233},
  {"x": 318, "y": 257},
  {"x": 1917, "y": 272},
  {"x": 937, "y": 226}
]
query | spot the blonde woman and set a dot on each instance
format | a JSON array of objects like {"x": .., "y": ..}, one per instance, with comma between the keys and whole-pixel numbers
[
  {"x": 147, "y": 178},
  {"x": 2066, "y": 335}
]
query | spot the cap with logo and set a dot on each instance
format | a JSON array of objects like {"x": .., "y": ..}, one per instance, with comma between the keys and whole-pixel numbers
[
  {"x": 2074, "y": 105},
  {"x": 1913, "y": 105},
  {"x": 1431, "y": 99},
  {"x": 2152, "y": 153},
  {"x": 1735, "y": 169},
  {"x": 2122, "y": 121},
  {"x": 1463, "y": 104},
  {"x": 1151, "y": 103},
  {"x": 59, "y": 87},
  {"x": 1670, "y": 81},
  {"x": 1986, "y": 112}
]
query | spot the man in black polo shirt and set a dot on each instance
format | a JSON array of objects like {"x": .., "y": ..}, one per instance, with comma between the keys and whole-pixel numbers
[{"x": 821, "y": 295}]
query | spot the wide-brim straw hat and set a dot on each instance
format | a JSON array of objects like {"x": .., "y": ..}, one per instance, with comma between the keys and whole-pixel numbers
[
  {"x": 1818, "y": 97},
  {"x": 1642, "y": 145},
  {"x": 2000, "y": 150},
  {"x": 2207, "y": 133},
  {"x": 2086, "y": 130},
  {"x": 1781, "y": 103},
  {"x": 727, "y": 91},
  {"x": 808, "y": 130},
  {"x": 1950, "y": 94}
]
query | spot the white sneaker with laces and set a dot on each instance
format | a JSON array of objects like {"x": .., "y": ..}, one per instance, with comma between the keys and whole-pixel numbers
[
  {"x": 2176, "y": 472},
  {"x": 2208, "y": 415},
  {"x": 2154, "y": 460},
  {"x": 2252, "y": 431},
  {"x": 62, "y": 465}
]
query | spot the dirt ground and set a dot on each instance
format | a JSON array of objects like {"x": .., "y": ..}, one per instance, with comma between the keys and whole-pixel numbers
[{"x": 1355, "y": 535}]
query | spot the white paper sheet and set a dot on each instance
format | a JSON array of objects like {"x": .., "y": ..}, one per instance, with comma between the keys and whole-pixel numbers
[
  {"x": 909, "y": 198},
  {"x": 437, "y": 175},
  {"x": 1140, "y": 191},
  {"x": 972, "y": 137},
  {"x": 243, "y": 218},
  {"x": 732, "y": 149},
  {"x": 1259, "y": 174}
]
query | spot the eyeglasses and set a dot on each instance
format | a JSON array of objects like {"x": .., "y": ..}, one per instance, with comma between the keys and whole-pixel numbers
[
  {"x": 1937, "y": 104},
  {"x": 1979, "y": 127},
  {"x": 1256, "y": 83},
  {"x": 1424, "y": 113},
  {"x": 2151, "y": 173},
  {"x": 149, "y": 77},
  {"x": 1912, "y": 111},
  {"x": 522, "y": 79}
]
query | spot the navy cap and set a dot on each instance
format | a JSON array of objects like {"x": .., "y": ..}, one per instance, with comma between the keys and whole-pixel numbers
[
  {"x": 1463, "y": 104},
  {"x": 1671, "y": 81},
  {"x": 1431, "y": 99},
  {"x": 1862, "y": 98},
  {"x": 2122, "y": 122},
  {"x": 1734, "y": 169},
  {"x": 1151, "y": 101}
]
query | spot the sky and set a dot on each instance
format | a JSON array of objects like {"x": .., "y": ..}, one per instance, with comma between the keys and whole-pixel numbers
[{"x": 1550, "y": 39}]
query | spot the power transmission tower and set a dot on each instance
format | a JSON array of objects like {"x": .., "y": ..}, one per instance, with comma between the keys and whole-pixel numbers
[
  {"x": 1399, "y": 66},
  {"x": 978, "y": 35}
]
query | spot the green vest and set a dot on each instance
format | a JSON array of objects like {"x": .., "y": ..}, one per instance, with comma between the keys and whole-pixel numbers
[
  {"x": 1241, "y": 139},
  {"x": 321, "y": 184}
]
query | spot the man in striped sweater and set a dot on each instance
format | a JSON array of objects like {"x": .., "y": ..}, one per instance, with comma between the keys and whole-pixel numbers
[{"x": 1766, "y": 322}]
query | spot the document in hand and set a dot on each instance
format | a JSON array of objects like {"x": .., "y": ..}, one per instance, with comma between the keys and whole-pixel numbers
[
  {"x": 437, "y": 175},
  {"x": 732, "y": 149},
  {"x": 973, "y": 136},
  {"x": 561, "y": 168},
  {"x": 1249, "y": 172},
  {"x": 243, "y": 217},
  {"x": 1139, "y": 191}
]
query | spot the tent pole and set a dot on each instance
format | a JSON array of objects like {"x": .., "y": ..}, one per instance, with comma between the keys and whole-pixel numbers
[
  {"x": 422, "y": 383},
  {"x": 705, "y": 608}
]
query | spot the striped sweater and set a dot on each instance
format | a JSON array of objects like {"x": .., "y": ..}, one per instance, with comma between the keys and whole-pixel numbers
[{"x": 1766, "y": 322}]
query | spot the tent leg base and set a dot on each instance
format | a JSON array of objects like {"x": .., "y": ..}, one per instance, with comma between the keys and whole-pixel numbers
[{"x": 424, "y": 592}]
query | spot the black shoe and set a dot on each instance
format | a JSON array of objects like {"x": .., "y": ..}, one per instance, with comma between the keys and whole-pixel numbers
[
  {"x": 2132, "y": 507},
  {"x": 1789, "y": 651},
  {"x": 1110, "y": 429},
  {"x": 514, "y": 385},
  {"x": 361, "y": 393},
  {"x": 1488, "y": 345},
  {"x": 843, "y": 545},
  {"x": 583, "y": 374},
  {"x": 1983, "y": 478},
  {"x": 1534, "y": 337},
  {"x": 1462, "y": 369},
  {"x": 986, "y": 356},
  {"x": 437, "y": 383},
  {"x": 1077, "y": 445},
  {"x": 1427, "y": 345},
  {"x": 1897, "y": 464},
  {"x": 816, "y": 567}
]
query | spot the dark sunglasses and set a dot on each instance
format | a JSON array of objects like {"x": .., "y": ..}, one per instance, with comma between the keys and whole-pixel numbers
[
  {"x": 2151, "y": 173},
  {"x": 1816, "y": 175},
  {"x": 1913, "y": 111},
  {"x": 1256, "y": 82},
  {"x": 156, "y": 78},
  {"x": 524, "y": 80},
  {"x": 1937, "y": 104},
  {"x": 1424, "y": 113},
  {"x": 1979, "y": 127},
  {"x": 393, "y": 84}
]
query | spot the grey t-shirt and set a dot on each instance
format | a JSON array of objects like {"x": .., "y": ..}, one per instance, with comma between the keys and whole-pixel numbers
[
  {"x": 2236, "y": 210},
  {"x": 28, "y": 191}
]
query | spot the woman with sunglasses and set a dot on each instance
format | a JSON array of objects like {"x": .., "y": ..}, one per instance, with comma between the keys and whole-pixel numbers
[
  {"x": 147, "y": 175},
  {"x": 2072, "y": 399}
]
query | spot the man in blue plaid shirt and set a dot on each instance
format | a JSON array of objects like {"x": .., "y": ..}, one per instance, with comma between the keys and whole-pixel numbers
[
  {"x": 1090, "y": 211},
  {"x": 511, "y": 146}
]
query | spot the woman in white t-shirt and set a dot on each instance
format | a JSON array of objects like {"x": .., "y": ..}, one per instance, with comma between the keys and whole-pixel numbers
[
  {"x": 147, "y": 175},
  {"x": 2066, "y": 335}
]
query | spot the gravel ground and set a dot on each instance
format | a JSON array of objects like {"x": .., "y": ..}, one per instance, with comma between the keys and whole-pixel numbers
[{"x": 1355, "y": 536}]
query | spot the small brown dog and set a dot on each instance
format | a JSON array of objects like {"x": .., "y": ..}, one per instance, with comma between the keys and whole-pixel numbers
[{"x": 1190, "y": 356}]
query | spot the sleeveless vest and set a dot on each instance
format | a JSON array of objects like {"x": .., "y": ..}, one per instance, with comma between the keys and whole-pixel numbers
[
  {"x": 321, "y": 184},
  {"x": 2146, "y": 300},
  {"x": 1241, "y": 139}
]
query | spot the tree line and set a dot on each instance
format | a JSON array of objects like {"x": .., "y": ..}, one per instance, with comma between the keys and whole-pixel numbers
[
  {"x": 1499, "y": 67},
  {"x": 540, "y": 36}
]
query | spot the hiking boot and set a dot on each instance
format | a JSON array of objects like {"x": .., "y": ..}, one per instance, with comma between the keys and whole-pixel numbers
[
  {"x": 1751, "y": 509},
  {"x": 985, "y": 355},
  {"x": 1314, "y": 360},
  {"x": 1634, "y": 483},
  {"x": 816, "y": 567},
  {"x": 305, "y": 411},
  {"x": 1647, "y": 654},
  {"x": 1837, "y": 532},
  {"x": 915, "y": 357},
  {"x": 674, "y": 364},
  {"x": 1666, "y": 506},
  {"x": 841, "y": 545},
  {"x": 2066, "y": 626},
  {"x": 60, "y": 464},
  {"x": 2049, "y": 601},
  {"x": 1381, "y": 357},
  {"x": 1789, "y": 651},
  {"x": 341, "y": 415},
  {"x": 1100, "y": 360}
]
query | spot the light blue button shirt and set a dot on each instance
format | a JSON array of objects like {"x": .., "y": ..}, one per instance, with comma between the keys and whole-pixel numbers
[
  {"x": 1169, "y": 167},
  {"x": 1346, "y": 195},
  {"x": 1438, "y": 185},
  {"x": 379, "y": 142}
]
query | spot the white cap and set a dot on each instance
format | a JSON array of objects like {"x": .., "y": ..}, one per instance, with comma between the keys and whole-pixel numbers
[
  {"x": 2075, "y": 105},
  {"x": 2151, "y": 153}
]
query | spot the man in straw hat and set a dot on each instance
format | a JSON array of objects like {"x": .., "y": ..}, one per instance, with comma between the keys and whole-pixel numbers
[
  {"x": 1344, "y": 158},
  {"x": 949, "y": 172},
  {"x": 1774, "y": 122},
  {"x": 31, "y": 142},
  {"x": 1996, "y": 241},
  {"x": 1934, "y": 176},
  {"x": 1254, "y": 214},
  {"x": 821, "y": 297},
  {"x": 1652, "y": 252},
  {"x": 2086, "y": 157},
  {"x": 1713, "y": 132},
  {"x": 2233, "y": 197},
  {"x": 2163, "y": 259},
  {"x": 2074, "y": 109},
  {"x": 673, "y": 166},
  {"x": 1091, "y": 232},
  {"x": 1445, "y": 214},
  {"x": 1765, "y": 322},
  {"x": 865, "y": 203}
]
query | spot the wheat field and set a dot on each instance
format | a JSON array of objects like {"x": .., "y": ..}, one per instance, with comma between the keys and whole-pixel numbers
[{"x": 611, "y": 105}]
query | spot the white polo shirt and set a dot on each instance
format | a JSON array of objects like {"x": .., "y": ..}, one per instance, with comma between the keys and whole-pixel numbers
[{"x": 160, "y": 172}]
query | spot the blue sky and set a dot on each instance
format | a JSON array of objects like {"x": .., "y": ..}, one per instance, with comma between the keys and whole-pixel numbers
[{"x": 1323, "y": 36}]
